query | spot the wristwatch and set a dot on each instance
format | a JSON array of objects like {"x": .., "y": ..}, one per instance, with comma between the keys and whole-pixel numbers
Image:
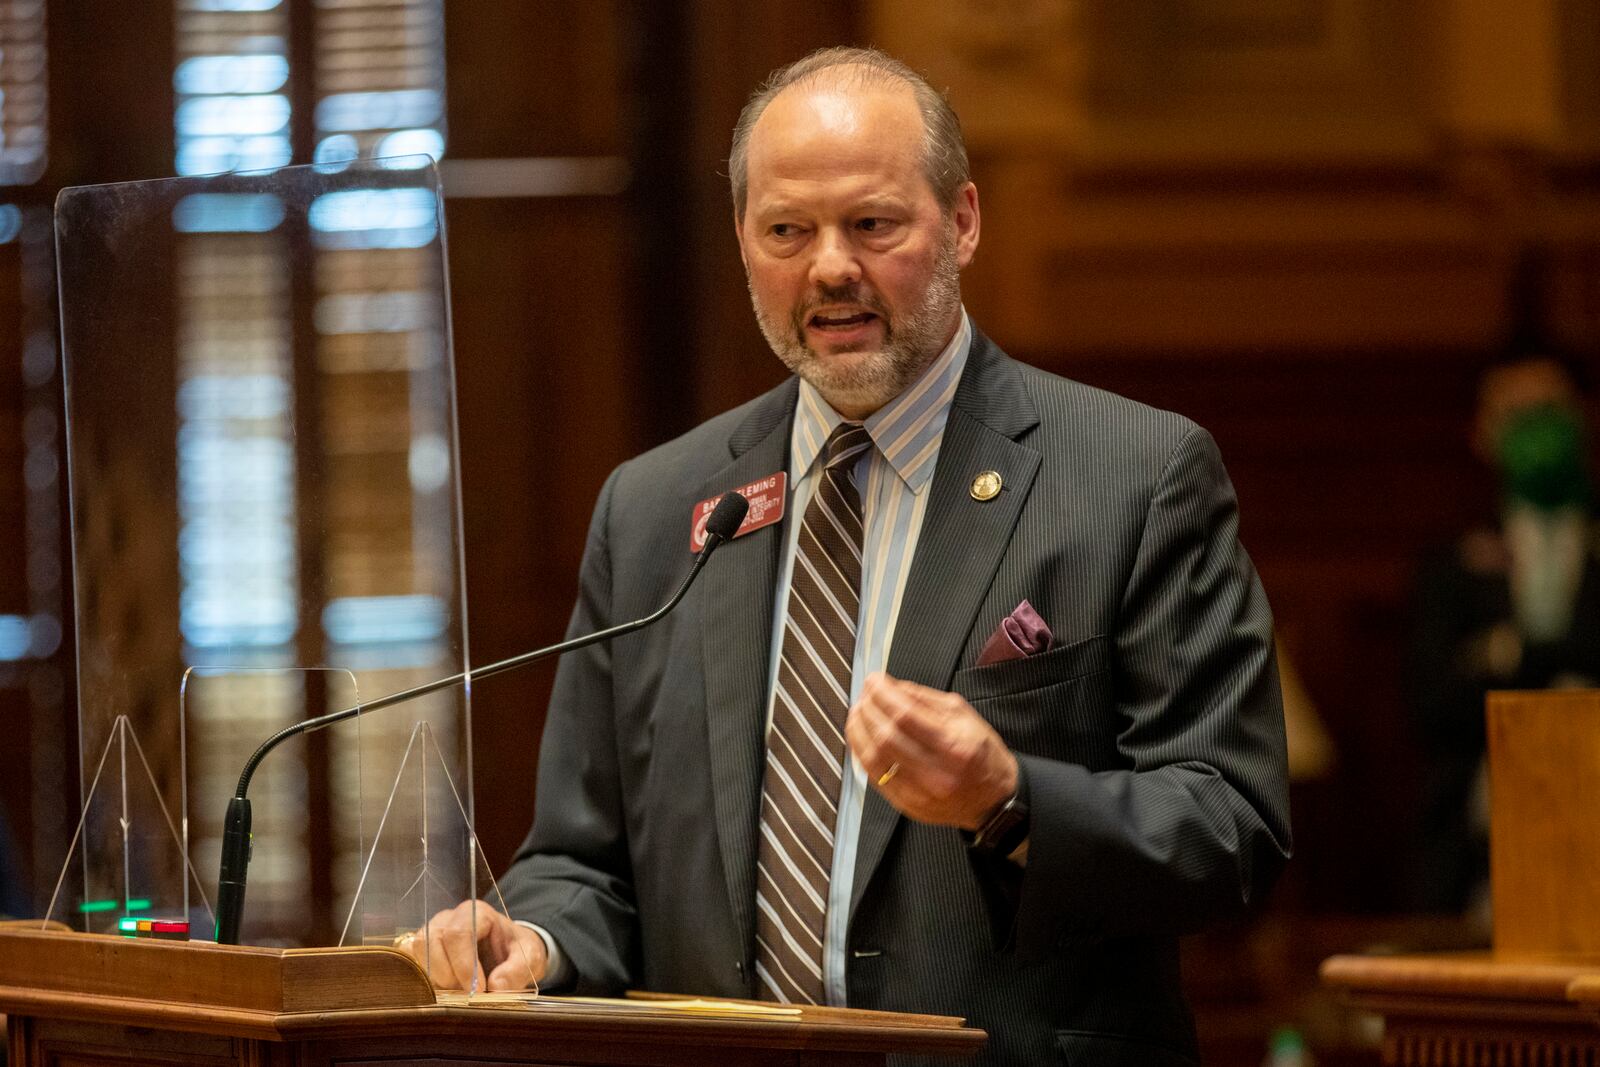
[{"x": 1006, "y": 828}]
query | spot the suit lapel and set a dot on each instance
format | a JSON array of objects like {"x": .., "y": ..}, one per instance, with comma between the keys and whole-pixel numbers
[
  {"x": 736, "y": 650},
  {"x": 958, "y": 551}
]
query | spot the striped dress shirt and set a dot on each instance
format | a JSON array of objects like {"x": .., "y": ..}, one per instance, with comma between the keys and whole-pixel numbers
[{"x": 893, "y": 479}]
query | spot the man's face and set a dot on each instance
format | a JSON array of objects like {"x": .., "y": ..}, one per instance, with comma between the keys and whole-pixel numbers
[
  {"x": 853, "y": 268},
  {"x": 1509, "y": 390}
]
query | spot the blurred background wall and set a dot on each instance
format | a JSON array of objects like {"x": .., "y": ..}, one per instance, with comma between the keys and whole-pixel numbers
[{"x": 1297, "y": 221}]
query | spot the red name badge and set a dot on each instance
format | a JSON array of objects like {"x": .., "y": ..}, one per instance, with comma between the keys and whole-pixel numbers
[{"x": 766, "y": 507}]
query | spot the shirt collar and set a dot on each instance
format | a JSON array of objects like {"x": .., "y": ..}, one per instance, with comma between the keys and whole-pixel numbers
[{"x": 907, "y": 430}]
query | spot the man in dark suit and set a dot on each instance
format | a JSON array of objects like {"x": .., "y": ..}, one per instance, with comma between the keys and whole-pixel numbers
[
  {"x": 1511, "y": 604},
  {"x": 985, "y": 722}
]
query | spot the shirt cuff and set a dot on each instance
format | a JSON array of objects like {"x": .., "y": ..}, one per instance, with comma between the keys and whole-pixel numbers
[{"x": 558, "y": 969}]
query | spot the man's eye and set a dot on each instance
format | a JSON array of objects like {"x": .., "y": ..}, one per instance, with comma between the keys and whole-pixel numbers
[
  {"x": 784, "y": 229},
  {"x": 873, "y": 225}
]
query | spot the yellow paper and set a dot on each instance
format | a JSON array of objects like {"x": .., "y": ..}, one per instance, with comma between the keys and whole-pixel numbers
[{"x": 686, "y": 1006}]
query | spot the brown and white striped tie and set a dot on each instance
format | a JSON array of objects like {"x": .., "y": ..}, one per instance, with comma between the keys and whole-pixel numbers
[{"x": 805, "y": 745}]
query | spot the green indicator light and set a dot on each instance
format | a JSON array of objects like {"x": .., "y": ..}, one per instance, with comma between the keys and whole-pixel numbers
[
  {"x": 127, "y": 924},
  {"x": 94, "y": 907}
]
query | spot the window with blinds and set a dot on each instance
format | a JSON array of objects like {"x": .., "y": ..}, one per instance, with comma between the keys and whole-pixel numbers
[
  {"x": 238, "y": 550},
  {"x": 379, "y": 78},
  {"x": 23, "y": 111},
  {"x": 379, "y": 84},
  {"x": 383, "y": 480}
]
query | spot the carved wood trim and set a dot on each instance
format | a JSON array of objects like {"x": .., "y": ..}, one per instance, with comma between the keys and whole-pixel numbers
[
  {"x": 37, "y": 967},
  {"x": 1471, "y": 1047}
]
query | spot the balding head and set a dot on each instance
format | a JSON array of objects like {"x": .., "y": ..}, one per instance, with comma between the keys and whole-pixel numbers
[{"x": 849, "y": 70}]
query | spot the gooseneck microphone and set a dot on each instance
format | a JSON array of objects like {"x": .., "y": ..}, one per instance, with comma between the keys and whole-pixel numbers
[{"x": 722, "y": 524}]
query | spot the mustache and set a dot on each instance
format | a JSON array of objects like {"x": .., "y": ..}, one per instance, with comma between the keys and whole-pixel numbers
[{"x": 826, "y": 295}]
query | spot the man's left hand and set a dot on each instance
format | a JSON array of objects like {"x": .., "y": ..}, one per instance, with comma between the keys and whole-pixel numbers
[{"x": 931, "y": 755}]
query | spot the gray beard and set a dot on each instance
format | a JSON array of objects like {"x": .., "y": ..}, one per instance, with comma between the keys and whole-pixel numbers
[{"x": 911, "y": 342}]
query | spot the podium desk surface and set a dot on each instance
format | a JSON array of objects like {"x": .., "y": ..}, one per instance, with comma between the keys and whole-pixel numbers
[{"x": 381, "y": 998}]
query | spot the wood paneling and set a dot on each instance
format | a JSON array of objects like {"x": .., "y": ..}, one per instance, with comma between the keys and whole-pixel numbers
[
  {"x": 534, "y": 79},
  {"x": 1544, "y": 774},
  {"x": 1218, "y": 262},
  {"x": 545, "y": 298},
  {"x": 110, "y": 93},
  {"x": 1179, "y": 81},
  {"x": 548, "y": 406}
]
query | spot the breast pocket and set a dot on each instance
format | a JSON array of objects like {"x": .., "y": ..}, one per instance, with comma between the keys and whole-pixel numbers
[{"x": 1058, "y": 705}]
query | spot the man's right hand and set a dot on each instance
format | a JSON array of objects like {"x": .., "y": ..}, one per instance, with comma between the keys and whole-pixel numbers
[{"x": 455, "y": 956}]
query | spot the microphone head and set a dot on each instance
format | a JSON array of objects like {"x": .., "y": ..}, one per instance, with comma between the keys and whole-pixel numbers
[{"x": 725, "y": 518}]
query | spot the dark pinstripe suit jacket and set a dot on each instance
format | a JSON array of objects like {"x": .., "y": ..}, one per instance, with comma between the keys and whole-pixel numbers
[{"x": 1152, "y": 737}]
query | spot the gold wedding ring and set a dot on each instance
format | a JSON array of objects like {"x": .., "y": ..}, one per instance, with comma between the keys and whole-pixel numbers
[
  {"x": 894, "y": 769},
  {"x": 403, "y": 941}
]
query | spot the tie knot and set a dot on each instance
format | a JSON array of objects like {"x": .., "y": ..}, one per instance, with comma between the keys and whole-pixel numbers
[{"x": 848, "y": 440}]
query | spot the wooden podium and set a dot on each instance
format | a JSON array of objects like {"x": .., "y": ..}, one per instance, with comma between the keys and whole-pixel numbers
[
  {"x": 1535, "y": 998},
  {"x": 82, "y": 1000}
]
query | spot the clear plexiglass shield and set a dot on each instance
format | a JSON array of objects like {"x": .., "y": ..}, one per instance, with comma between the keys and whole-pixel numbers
[{"x": 266, "y": 527}]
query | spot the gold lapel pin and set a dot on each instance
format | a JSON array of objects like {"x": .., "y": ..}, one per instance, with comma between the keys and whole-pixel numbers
[{"x": 986, "y": 486}]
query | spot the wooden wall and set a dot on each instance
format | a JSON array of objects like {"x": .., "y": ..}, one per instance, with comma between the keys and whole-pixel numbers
[{"x": 542, "y": 300}]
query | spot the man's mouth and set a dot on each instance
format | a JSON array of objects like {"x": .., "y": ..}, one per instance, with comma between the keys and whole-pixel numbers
[{"x": 840, "y": 320}]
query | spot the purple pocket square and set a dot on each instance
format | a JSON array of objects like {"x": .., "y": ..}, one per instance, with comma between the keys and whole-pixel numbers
[{"x": 1019, "y": 635}]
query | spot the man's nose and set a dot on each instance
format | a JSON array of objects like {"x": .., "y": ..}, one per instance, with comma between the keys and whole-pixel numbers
[{"x": 834, "y": 262}]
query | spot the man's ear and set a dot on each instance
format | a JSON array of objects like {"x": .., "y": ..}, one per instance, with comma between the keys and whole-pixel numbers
[
  {"x": 968, "y": 221},
  {"x": 738, "y": 235}
]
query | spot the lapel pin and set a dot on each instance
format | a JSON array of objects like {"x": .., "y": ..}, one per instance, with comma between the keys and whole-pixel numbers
[{"x": 986, "y": 486}]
